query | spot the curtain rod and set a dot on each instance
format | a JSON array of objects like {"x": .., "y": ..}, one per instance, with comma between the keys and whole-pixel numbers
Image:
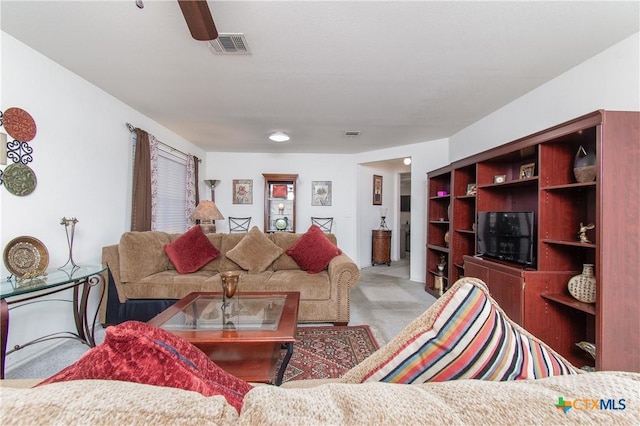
[{"x": 132, "y": 129}]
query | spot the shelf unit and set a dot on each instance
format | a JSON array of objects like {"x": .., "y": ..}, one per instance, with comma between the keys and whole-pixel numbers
[
  {"x": 280, "y": 202},
  {"x": 464, "y": 220},
  {"x": 537, "y": 297},
  {"x": 438, "y": 227}
]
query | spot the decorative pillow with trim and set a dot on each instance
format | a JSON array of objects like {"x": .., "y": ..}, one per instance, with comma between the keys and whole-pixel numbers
[
  {"x": 463, "y": 335},
  {"x": 138, "y": 352},
  {"x": 255, "y": 252},
  {"x": 191, "y": 251},
  {"x": 313, "y": 251},
  {"x": 279, "y": 191}
]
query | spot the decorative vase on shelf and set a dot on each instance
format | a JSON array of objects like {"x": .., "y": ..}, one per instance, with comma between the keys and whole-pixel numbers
[
  {"x": 583, "y": 286},
  {"x": 584, "y": 165},
  {"x": 438, "y": 285}
]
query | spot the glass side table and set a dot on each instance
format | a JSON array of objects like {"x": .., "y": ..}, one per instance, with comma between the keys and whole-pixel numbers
[{"x": 81, "y": 279}]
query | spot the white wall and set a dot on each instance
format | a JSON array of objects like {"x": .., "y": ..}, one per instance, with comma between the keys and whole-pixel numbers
[
  {"x": 609, "y": 80},
  {"x": 352, "y": 183},
  {"x": 424, "y": 157},
  {"x": 82, "y": 163},
  {"x": 339, "y": 169}
]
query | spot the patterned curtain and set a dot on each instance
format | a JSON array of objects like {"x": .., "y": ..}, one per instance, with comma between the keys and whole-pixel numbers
[
  {"x": 153, "y": 151},
  {"x": 191, "y": 190},
  {"x": 141, "y": 193}
]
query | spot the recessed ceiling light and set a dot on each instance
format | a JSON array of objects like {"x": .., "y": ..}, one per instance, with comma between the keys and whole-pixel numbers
[
  {"x": 407, "y": 161},
  {"x": 279, "y": 137}
]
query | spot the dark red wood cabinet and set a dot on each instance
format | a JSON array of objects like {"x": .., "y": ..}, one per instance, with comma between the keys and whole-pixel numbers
[{"x": 537, "y": 297}]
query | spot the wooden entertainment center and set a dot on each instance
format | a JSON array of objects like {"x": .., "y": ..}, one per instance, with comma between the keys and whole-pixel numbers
[{"x": 536, "y": 296}]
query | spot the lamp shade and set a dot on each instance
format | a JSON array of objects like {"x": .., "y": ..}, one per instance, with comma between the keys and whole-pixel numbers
[
  {"x": 212, "y": 183},
  {"x": 206, "y": 210}
]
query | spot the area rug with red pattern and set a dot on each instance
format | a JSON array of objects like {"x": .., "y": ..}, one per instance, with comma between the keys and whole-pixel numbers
[{"x": 328, "y": 352}]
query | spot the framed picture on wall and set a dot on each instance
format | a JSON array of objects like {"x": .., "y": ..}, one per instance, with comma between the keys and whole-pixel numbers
[
  {"x": 377, "y": 190},
  {"x": 321, "y": 193},
  {"x": 242, "y": 191}
]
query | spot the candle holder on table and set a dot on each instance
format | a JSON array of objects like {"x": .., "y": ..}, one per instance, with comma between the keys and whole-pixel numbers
[{"x": 70, "y": 229}]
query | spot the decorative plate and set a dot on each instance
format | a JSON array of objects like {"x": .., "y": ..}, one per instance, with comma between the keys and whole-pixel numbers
[
  {"x": 19, "y": 179},
  {"x": 19, "y": 124},
  {"x": 25, "y": 254},
  {"x": 281, "y": 224}
]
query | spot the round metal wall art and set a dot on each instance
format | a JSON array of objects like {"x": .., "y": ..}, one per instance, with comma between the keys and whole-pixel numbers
[
  {"x": 25, "y": 254},
  {"x": 19, "y": 179},
  {"x": 19, "y": 124}
]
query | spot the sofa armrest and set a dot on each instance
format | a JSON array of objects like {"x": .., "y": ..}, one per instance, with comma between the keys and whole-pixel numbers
[{"x": 343, "y": 271}]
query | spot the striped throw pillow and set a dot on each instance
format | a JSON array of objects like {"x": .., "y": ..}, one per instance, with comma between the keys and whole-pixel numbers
[{"x": 464, "y": 335}]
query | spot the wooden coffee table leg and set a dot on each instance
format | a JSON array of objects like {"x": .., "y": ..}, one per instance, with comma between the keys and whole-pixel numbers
[{"x": 284, "y": 364}]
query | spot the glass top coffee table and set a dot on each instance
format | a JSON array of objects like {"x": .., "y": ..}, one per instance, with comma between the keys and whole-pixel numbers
[{"x": 244, "y": 336}]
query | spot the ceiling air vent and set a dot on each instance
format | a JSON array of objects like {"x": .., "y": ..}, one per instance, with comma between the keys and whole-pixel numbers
[
  {"x": 352, "y": 133},
  {"x": 230, "y": 44}
]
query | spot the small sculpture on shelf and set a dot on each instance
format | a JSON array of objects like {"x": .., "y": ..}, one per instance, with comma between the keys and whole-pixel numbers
[
  {"x": 582, "y": 234},
  {"x": 441, "y": 265}
]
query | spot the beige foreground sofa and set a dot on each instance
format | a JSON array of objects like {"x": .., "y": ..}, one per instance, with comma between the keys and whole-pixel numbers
[
  {"x": 329, "y": 402},
  {"x": 465, "y": 341},
  {"x": 140, "y": 270}
]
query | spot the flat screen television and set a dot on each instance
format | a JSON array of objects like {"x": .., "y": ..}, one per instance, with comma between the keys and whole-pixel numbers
[{"x": 508, "y": 236}]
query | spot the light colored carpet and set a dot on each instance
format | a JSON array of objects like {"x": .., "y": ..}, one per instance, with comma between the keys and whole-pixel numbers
[{"x": 384, "y": 299}]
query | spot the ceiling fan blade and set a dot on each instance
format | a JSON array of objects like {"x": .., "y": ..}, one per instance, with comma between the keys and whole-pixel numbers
[{"x": 199, "y": 19}]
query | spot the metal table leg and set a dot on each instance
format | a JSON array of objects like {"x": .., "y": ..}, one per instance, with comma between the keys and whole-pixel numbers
[
  {"x": 4, "y": 333},
  {"x": 285, "y": 363}
]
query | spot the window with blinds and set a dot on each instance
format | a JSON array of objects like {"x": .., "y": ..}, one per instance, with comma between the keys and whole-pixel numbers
[{"x": 172, "y": 197}]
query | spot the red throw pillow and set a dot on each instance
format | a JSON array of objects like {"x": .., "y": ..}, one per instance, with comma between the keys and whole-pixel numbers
[
  {"x": 138, "y": 352},
  {"x": 313, "y": 251},
  {"x": 279, "y": 191},
  {"x": 191, "y": 251}
]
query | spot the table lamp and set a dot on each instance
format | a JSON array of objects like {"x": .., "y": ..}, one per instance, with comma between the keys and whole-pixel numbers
[{"x": 207, "y": 212}]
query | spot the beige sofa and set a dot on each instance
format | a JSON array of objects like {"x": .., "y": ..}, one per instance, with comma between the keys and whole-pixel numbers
[
  {"x": 459, "y": 402},
  {"x": 140, "y": 270},
  {"x": 456, "y": 337}
]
